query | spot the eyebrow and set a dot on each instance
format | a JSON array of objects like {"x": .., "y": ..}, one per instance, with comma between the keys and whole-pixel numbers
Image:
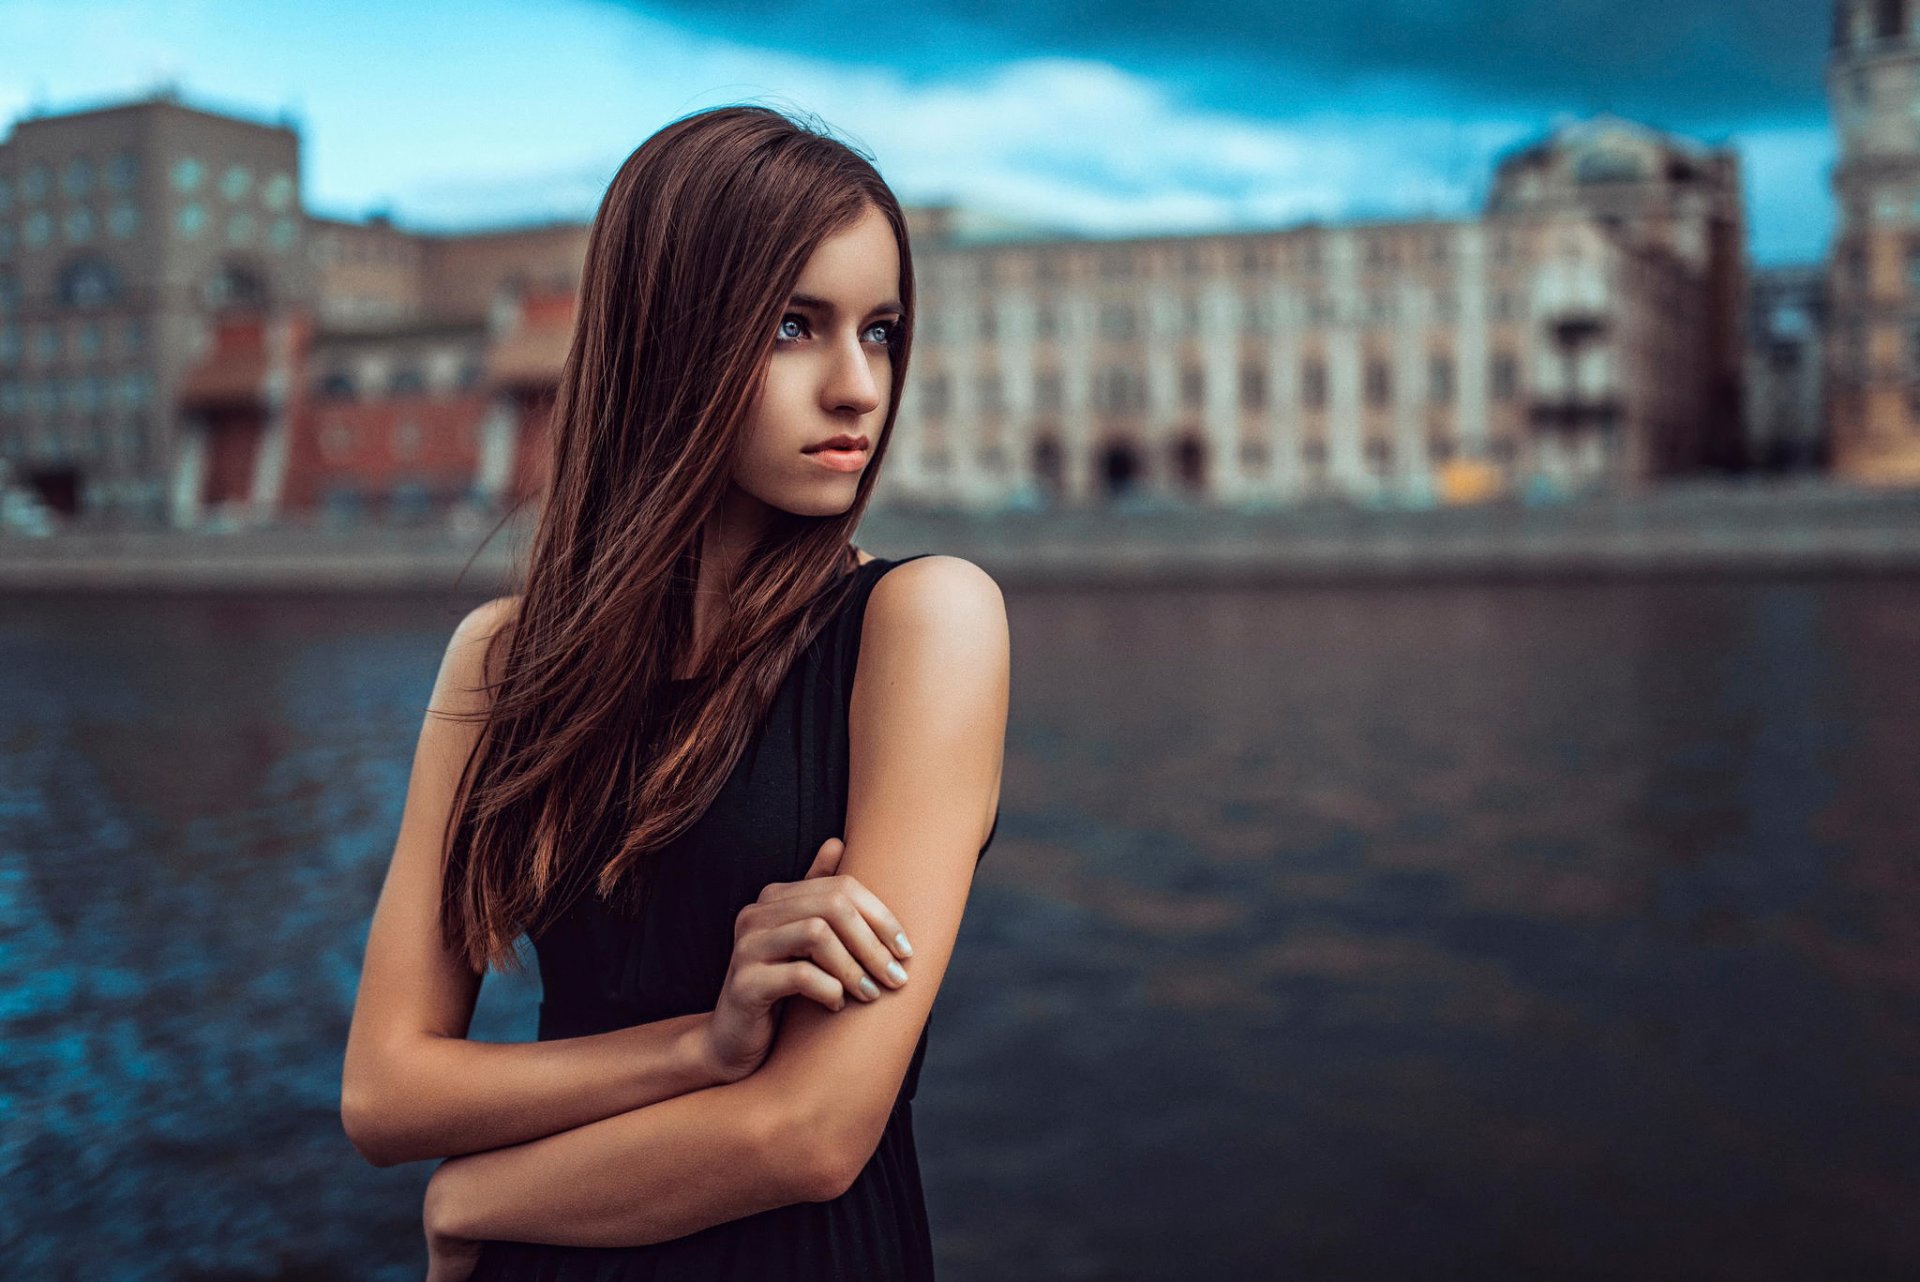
[{"x": 822, "y": 305}]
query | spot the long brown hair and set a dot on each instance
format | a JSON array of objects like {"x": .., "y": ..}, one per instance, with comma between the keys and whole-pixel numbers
[{"x": 582, "y": 769}]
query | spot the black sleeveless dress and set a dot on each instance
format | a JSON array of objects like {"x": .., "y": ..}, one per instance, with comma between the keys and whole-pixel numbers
[{"x": 600, "y": 971}]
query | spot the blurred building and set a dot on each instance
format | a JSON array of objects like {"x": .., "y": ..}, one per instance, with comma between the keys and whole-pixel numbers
[
  {"x": 121, "y": 230},
  {"x": 1785, "y": 390},
  {"x": 289, "y": 366},
  {"x": 1584, "y": 331},
  {"x": 1873, "y": 345}
]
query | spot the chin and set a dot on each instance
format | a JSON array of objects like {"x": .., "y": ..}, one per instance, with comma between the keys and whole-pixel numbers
[{"x": 825, "y": 500}]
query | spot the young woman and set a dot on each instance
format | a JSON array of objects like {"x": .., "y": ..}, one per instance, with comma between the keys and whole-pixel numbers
[{"x": 729, "y": 775}]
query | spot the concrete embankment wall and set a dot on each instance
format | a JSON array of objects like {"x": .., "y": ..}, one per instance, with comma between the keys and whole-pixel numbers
[{"x": 1702, "y": 529}]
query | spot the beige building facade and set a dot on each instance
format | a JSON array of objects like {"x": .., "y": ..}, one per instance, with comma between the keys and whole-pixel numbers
[
  {"x": 1873, "y": 339},
  {"x": 1548, "y": 343}
]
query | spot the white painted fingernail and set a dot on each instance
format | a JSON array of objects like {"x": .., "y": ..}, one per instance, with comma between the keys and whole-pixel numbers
[
  {"x": 868, "y": 987},
  {"x": 897, "y": 972},
  {"x": 900, "y": 941}
]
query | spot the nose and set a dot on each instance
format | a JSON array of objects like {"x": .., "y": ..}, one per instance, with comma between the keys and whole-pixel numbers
[{"x": 850, "y": 382}]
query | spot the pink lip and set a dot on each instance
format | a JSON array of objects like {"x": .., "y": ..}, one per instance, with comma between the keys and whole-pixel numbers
[{"x": 840, "y": 460}]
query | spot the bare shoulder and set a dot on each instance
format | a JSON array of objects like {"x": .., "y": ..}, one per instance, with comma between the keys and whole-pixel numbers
[
  {"x": 488, "y": 618},
  {"x": 948, "y": 594},
  {"x": 472, "y": 661},
  {"x": 937, "y": 615}
]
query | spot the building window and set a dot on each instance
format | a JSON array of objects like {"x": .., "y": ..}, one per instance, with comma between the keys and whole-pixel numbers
[
  {"x": 187, "y": 172},
  {"x": 1506, "y": 376},
  {"x": 1253, "y": 387},
  {"x": 1440, "y": 378},
  {"x": 1379, "y": 456},
  {"x": 934, "y": 395},
  {"x": 1045, "y": 322},
  {"x": 192, "y": 219},
  {"x": 124, "y": 171},
  {"x": 1193, "y": 386},
  {"x": 1314, "y": 453},
  {"x": 336, "y": 385},
  {"x": 1253, "y": 456},
  {"x": 124, "y": 221},
  {"x": 407, "y": 380},
  {"x": 35, "y": 183},
  {"x": 236, "y": 182},
  {"x": 1046, "y": 391},
  {"x": 77, "y": 181},
  {"x": 1117, "y": 321},
  {"x": 1379, "y": 383},
  {"x": 277, "y": 192},
  {"x": 1313, "y": 384},
  {"x": 281, "y": 234},
  {"x": 987, "y": 387},
  {"x": 989, "y": 323},
  {"x": 38, "y": 229},
  {"x": 79, "y": 225},
  {"x": 1440, "y": 449},
  {"x": 1119, "y": 389}
]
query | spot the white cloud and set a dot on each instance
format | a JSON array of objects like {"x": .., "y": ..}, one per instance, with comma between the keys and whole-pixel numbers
[{"x": 496, "y": 110}]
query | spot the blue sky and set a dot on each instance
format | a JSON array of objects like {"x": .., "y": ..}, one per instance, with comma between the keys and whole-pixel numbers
[{"x": 1108, "y": 118}]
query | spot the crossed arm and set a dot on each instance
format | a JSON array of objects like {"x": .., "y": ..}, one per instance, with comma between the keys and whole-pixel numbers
[{"x": 927, "y": 730}]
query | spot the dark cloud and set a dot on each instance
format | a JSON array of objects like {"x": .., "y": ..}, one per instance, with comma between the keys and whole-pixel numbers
[{"x": 1691, "y": 65}]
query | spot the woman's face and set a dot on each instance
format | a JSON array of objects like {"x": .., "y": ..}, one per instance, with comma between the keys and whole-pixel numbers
[{"x": 830, "y": 375}]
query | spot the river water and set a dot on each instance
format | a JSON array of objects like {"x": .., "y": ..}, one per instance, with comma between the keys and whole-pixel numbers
[{"x": 1442, "y": 931}]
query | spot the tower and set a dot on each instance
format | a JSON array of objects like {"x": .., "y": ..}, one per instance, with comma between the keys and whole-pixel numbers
[{"x": 1873, "y": 281}]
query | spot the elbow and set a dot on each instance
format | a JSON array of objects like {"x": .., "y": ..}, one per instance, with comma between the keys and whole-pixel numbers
[
  {"x": 825, "y": 1148},
  {"x": 360, "y": 1119}
]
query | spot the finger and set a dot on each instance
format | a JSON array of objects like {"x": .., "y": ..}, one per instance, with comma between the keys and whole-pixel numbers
[
  {"x": 769, "y": 983},
  {"x": 816, "y": 939},
  {"x": 885, "y": 925},
  {"x": 843, "y": 911},
  {"x": 827, "y": 861}
]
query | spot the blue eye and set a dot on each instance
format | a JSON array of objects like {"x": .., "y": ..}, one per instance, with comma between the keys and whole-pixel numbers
[{"x": 892, "y": 328}]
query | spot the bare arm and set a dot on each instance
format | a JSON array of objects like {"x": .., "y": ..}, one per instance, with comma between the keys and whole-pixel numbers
[
  {"x": 928, "y": 725},
  {"x": 412, "y": 1086}
]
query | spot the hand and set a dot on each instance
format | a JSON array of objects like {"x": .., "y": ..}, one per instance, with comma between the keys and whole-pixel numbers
[
  {"x": 449, "y": 1258},
  {"x": 818, "y": 938}
]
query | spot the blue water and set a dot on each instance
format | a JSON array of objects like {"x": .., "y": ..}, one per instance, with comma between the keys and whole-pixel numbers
[{"x": 1526, "y": 931}]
